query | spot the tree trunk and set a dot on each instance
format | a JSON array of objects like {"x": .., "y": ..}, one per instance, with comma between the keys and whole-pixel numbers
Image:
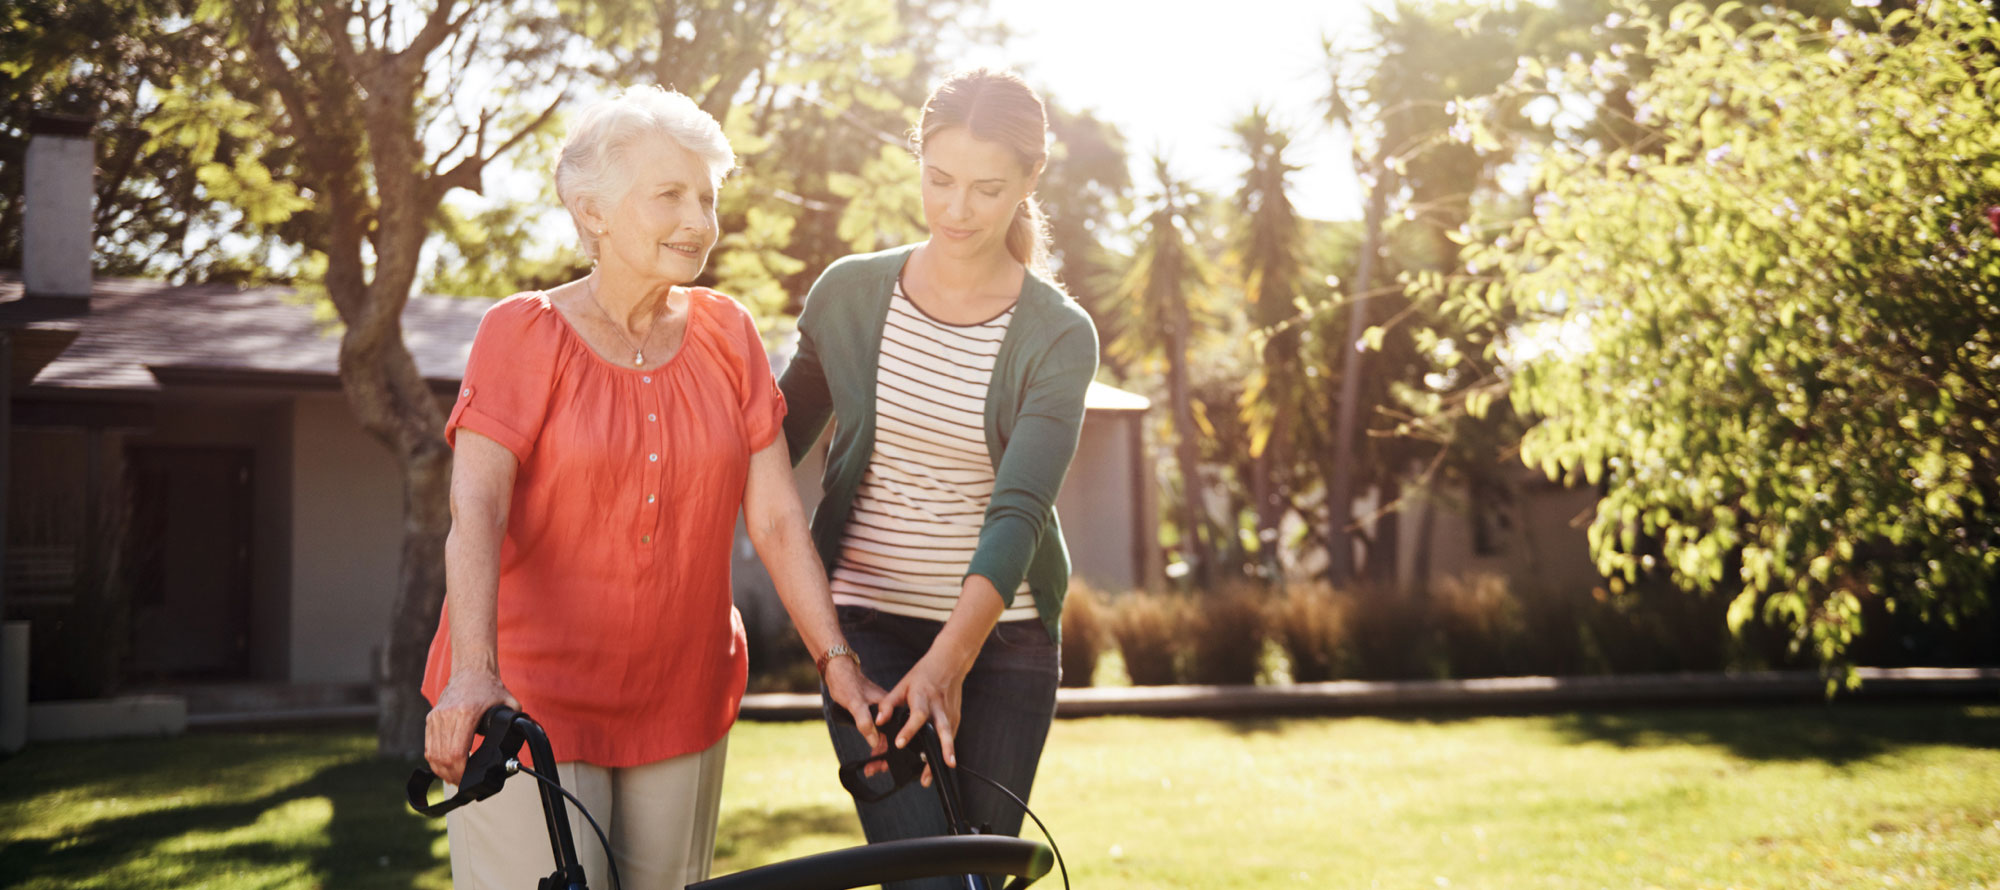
[
  {"x": 1194, "y": 545},
  {"x": 426, "y": 522},
  {"x": 1264, "y": 488},
  {"x": 377, "y": 195},
  {"x": 1340, "y": 501},
  {"x": 1387, "y": 539},
  {"x": 393, "y": 403},
  {"x": 1420, "y": 564}
]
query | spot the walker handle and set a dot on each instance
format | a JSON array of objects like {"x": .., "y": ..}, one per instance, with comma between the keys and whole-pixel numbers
[{"x": 486, "y": 769}]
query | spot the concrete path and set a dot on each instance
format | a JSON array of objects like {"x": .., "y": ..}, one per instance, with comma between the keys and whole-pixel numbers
[
  {"x": 1494, "y": 695},
  {"x": 1499, "y": 695}
]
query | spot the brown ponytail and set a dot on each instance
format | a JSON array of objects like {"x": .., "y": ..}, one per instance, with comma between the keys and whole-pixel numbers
[
  {"x": 1028, "y": 236},
  {"x": 998, "y": 106}
]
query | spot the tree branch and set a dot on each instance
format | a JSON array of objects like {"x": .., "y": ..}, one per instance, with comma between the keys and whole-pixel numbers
[{"x": 466, "y": 173}]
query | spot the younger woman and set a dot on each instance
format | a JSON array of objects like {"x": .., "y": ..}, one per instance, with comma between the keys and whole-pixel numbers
[{"x": 955, "y": 371}]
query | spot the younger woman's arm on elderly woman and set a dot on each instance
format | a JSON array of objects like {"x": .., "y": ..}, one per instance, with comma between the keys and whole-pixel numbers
[
  {"x": 482, "y": 486},
  {"x": 777, "y": 526}
]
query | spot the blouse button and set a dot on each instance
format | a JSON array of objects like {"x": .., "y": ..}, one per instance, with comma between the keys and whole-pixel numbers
[
  {"x": 653, "y": 457},
  {"x": 645, "y": 539},
  {"x": 466, "y": 391},
  {"x": 646, "y": 379},
  {"x": 653, "y": 417},
  {"x": 651, "y": 498}
]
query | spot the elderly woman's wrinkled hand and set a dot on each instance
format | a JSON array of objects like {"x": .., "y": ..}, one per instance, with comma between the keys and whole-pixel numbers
[
  {"x": 449, "y": 727},
  {"x": 852, "y": 690}
]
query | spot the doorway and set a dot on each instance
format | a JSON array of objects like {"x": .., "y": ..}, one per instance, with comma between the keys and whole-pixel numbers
[{"x": 191, "y": 562}]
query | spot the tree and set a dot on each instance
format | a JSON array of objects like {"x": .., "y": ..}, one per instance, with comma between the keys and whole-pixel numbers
[
  {"x": 816, "y": 96},
  {"x": 1163, "y": 293},
  {"x": 1270, "y": 251},
  {"x": 1772, "y": 340},
  {"x": 361, "y": 107},
  {"x": 1403, "y": 392},
  {"x": 114, "y": 61},
  {"x": 1085, "y": 190}
]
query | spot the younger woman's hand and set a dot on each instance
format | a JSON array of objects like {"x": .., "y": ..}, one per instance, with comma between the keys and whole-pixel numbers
[{"x": 933, "y": 691}]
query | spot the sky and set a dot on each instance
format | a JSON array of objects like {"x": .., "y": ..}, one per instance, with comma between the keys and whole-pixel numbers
[
  {"x": 1175, "y": 75},
  {"x": 1172, "y": 78}
]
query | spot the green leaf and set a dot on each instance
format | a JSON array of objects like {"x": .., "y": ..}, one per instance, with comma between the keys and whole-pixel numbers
[{"x": 1371, "y": 338}]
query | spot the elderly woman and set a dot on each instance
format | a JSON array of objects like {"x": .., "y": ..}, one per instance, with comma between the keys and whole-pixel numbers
[{"x": 606, "y": 434}]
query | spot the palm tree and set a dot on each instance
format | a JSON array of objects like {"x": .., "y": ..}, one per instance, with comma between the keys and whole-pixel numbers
[
  {"x": 1162, "y": 292},
  {"x": 1396, "y": 98},
  {"x": 1268, "y": 246}
]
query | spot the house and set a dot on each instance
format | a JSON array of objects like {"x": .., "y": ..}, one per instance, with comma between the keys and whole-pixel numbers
[{"x": 190, "y": 464}]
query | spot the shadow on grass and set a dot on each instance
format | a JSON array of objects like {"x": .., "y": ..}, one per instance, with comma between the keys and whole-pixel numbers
[
  {"x": 750, "y": 838},
  {"x": 370, "y": 838},
  {"x": 1838, "y": 734}
]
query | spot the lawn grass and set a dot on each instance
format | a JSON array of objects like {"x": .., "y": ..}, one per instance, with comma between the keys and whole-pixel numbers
[{"x": 1787, "y": 797}]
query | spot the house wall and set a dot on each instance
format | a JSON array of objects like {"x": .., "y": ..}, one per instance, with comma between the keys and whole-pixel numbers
[
  {"x": 1103, "y": 505},
  {"x": 346, "y": 542},
  {"x": 1534, "y": 543}
]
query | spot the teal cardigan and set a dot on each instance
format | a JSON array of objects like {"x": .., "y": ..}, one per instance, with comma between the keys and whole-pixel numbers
[{"x": 1034, "y": 412}]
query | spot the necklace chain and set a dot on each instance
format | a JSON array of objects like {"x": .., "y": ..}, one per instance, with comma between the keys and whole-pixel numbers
[{"x": 638, "y": 350}]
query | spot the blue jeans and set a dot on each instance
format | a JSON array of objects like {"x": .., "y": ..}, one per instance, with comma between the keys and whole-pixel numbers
[{"x": 1009, "y": 699}]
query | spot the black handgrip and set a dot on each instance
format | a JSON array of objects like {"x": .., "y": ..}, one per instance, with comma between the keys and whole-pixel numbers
[
  {"x": 907, "y": 765},
  {"x": 486, "y": 769}
]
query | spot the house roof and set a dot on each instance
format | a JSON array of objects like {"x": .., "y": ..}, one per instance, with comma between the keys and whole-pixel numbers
[
  {"x": 141, "y": 334},
  {"x": 1104, "y": 397}
]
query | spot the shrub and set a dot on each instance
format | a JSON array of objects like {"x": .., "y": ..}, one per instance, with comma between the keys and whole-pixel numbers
[
  {"x": 1083, "y": 633},
  {"x": 788, "y": 672},
  {"x": 1310, "y": 622},
  {"x": 1482, "y": 623},
  {"x": 1151, "y": 632},
  {"x": 1226, "y": 636},
  {"x": 1390, "y": 637}
]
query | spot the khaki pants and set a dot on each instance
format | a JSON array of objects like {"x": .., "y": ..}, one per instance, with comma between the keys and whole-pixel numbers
[{"x": 660, "y": 818}]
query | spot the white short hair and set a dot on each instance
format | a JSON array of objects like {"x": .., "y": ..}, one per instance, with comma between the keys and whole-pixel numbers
[{"x": 591, "y": 166}]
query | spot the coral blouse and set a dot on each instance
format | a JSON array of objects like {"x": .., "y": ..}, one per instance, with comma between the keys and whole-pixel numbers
[{"x": 616, "y": 628}]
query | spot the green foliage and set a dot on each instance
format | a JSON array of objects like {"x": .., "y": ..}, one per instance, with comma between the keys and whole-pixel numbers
[
  {"x": 116, "y": 61},
  {"x": 815, "y": 96},
  {"x": 884, "y": 205},
  {"x": 1085, "y": 192},
  {"x": 1169, "y": 300},
  {"x": 751, "y": 264},
  {"x": 1773, "y": 335},
  {"x": 1268, "y": 243},
  {"x": 1397, "y": 387},
  {"x": 1165, "y": 288},
  {"x": 488, "y": 253}
]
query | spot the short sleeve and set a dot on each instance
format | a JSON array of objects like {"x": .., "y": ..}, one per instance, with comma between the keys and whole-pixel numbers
[
  {"x": 505, "y": 393},
  {"x": 762, "y": 403}
]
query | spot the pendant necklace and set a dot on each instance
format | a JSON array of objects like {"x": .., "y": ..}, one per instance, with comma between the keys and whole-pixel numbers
[{"x": 639, "y": 350}]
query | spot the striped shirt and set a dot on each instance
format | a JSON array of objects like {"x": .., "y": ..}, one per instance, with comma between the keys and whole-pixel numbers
[{"x": 920, "y": 506}]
